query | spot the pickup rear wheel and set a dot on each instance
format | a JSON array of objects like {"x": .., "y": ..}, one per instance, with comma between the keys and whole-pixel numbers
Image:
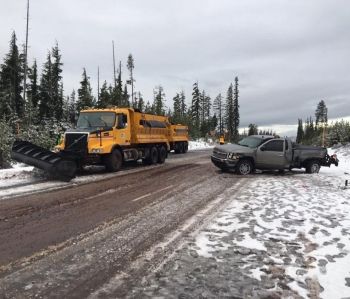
[
  {"x": 244, "y": 167},
  {"x": 313, "y": 167}
]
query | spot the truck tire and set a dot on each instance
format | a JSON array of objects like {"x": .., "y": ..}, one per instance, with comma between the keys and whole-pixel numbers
[
  {"x": 244, "y": 167},
  {"x": 313, "y": 167},
  {"x": 178, "y": 148},
  {"x": 153, "y": 156},
  {"x": 114, "y": 161},
  {"x": 185, "y": 147},
  {"x": 161, "y": 155}
]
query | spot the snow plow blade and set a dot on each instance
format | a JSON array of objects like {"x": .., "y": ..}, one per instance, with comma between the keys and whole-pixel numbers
[{"x": 53, "y": 163}]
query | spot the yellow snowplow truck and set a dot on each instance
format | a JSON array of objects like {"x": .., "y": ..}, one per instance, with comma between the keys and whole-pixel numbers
[{"x": 108, "y": 137}]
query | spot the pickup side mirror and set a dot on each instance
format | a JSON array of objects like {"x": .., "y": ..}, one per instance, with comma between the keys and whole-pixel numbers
[{"x": 263, "y": 148}]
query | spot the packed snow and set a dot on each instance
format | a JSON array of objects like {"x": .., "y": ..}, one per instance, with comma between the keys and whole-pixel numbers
[{"x": 296, "y": 224}]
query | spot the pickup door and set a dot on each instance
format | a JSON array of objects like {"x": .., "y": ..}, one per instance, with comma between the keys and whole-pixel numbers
[{"x": 271, "y": 155}]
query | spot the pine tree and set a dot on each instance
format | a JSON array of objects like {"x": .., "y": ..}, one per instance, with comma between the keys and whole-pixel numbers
[
  {"x": 176, "y": 118},
  {"x": 125, "y": 98},
  {"x": 300, "y": 131},
  {"x": 235, "y": 112},
  {"x": 321, "y": 113},
  {"x": 253, "y": 130},
  {"x": 219, "y": 109},
  {"x": 159, "y": 99},
  {"x": 85, "y": 98},
  {"x": 33, "y": 86},
  {"x": 149, "y": 108},
  {"x": 72, "y": 111},
  {"x": 11, "y": 76},
  {"x": 117, "y": 96},
  {"x": 140, "y": 103},
  {"x": 57, "y": 84},
  {"x": 182, "y": 106},
  {"x": 229, "y": 114},
  {"x": 205, "y": 126},
  {"x": 195, "y": 110},
  {"x": 46, "y": 107},
  {"x": 105, "y": 97},
  {"x": 131, "y": 65}
]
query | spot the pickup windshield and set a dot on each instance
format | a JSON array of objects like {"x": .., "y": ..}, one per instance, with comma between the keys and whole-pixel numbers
[
  {"x": 96, "y": 120},
  {"x": 252, "y": 142}
]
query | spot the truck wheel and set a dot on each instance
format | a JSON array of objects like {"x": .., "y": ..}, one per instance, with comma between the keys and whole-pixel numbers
[
  {"x": 161, "y": 155},
  {"x": 114, "y": 161},
  {"x": 244, "y": 167},
  {"x": 185, "y": 147},
  {"x": 313, "y": 167},
  {"x": 153, "y": 156},
  {"x": 177, "y": 148}
]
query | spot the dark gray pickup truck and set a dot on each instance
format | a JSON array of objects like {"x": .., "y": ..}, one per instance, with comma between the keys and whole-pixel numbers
[{"x": 267, "y": 152}]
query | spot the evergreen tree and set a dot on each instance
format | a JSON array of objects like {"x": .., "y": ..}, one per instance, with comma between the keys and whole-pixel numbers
[
  {"x": 235, "y": 111},
  {"x": 229, "y": 114},
  {"x": 105, "y": 96},
  {"x": 321, "y": 113},
  {"x": 149, "y": 108},
  {"x": 85, "y": 98},
  {"x": 118, "y": 92},
  {"x": 176, "y": 118},
  {"x": 182, "y": 106},
  {"x": 125, "y": 98},
  {"x": 11, "y": 76},
  {"x": 130, "y": 65},
  {"x": 33, "y": 86},
  {"x": 72, "y": 111},
  {"x": 57, "y": 84},
  {"x": 46, "y": 107},
  {"x": 300, "y": 132},
  {"x": 195, "y": 110},
  {"x": 219, "y": 109},
  {"x": 159, "y": 99},
  {"x": 140, "y": 103},
  {"x": 253, "y": 130}
]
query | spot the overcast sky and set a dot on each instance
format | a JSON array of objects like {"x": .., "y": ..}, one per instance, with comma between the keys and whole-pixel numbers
[{"x": 288, "y": 55}]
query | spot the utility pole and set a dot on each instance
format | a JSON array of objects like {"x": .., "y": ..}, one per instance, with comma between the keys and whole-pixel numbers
[
  {"x": 115, "y": 83},
  {"x": 25, "y": 63},
  {"x": 98, "y": 84}
]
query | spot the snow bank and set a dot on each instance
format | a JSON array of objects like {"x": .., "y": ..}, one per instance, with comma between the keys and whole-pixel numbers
[{"x": 200, "y": 144}]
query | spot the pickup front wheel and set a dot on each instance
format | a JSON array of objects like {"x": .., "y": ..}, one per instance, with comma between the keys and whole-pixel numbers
[
  {"x": 313, "y": 167},
  {"x": 244, "y": 167}
]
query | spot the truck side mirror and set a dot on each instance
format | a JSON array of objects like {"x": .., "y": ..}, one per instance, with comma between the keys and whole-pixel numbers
[{"x": 263, "y": 148}]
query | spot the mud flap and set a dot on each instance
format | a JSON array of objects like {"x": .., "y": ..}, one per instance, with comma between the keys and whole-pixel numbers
[{"x": 53, "y": 163}]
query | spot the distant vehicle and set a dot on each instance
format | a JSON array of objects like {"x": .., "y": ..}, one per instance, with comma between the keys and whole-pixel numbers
[
  {"x": 109, "y": 137},
  {"x": 269, "y": 153}
]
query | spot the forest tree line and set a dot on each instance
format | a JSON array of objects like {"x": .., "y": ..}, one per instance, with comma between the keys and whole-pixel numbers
[
  {"x": 43, "y": 111},
  {"x": 318, "y": 131}
]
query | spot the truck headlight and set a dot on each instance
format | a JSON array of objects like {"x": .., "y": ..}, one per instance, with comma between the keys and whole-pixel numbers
[
  {"x": 233, "y": 156},
  {"x": 97, "y": 150}
]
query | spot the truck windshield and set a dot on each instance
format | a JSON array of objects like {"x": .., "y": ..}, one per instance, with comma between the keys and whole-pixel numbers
[
  {"x": 96, "y": 119},
  {"x": 252, "y": 142}
]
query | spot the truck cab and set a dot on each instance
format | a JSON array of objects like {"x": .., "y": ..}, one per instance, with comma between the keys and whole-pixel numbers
[{"x": 274, "y": 154}]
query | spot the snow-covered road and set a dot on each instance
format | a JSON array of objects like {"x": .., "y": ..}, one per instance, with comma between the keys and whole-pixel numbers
[
  {"x": 281, "y": 236},
  {"x": 276, "y": 236}
]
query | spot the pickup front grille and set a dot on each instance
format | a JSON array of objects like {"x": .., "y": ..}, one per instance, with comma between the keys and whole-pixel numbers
[
  {"x": 219, "y": 154},
  {"x": 76, "y": 142}
]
